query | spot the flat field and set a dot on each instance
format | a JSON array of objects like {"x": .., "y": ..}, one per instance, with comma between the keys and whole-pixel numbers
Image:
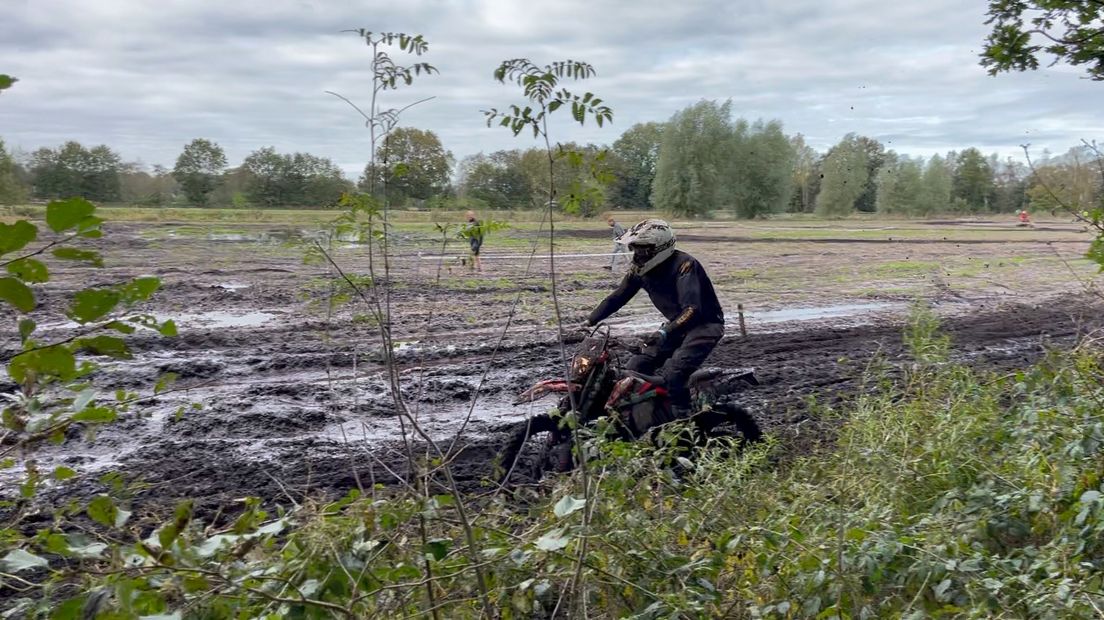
[{"x": 279, "y": 384}]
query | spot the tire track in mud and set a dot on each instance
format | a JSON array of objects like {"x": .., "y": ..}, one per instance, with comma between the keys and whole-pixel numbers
[{"x": 275, "y": 423}]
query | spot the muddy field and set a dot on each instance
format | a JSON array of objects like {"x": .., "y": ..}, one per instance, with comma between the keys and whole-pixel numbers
[{"x": 280, "y": 390}]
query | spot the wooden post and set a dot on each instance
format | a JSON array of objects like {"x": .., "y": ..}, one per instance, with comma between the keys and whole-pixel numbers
[{"x": 743, "y": 327}]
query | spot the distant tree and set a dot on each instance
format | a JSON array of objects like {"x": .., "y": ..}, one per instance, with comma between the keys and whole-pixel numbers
[
  {"x": 636, "y": 153},
  {"x": 846, "y": 173},
  {"x": 199, "y": 170},
  {"x": 575, "y": 171},
  {"x": 72, "y": 170},
  {"x": 233, "y": 191},
  {"x": 269, "y": 174},
  {"x": 1069, "y": 30},
  {"x": 1072, "y": 181},
  {"x": 497, "y": 180},
  {"x": 695, "y": 157},
  {"x": 900, "y": 185},
  {"x": 875, "y": 157},
  {"x": 935, "y": 195},
  {"x": 322, "y": 181},
  {"x": 973, "y": 181},
  {"x": 761, "y": 169},
  {"x": 1010, "y": 180},
  {"x": 805, "y": 173},
  {"x": 12, "y": 189},
  {"x": 411, "y": 164},
  {"x": 153, "y": 189},
  {"x": 299, "y": 179}
]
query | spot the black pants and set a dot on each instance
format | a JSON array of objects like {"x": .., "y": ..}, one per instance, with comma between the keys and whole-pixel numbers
[{"x": 677, "y": 358}]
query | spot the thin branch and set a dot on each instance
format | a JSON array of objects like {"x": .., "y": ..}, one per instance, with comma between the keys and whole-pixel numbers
[
  {"x": 41, "y": 250},
  {"x": 354, "y": 106}
]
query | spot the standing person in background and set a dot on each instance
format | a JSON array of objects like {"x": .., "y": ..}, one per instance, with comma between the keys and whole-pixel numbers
[
  {"x": 473, "y": 231},
  {"x": 618, "y": 249}
]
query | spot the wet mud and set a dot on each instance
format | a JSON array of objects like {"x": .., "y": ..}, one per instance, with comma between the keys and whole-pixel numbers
[
  {"x": 283, "y": 420},
  {"x": 844, "y": 240},
  {"x": 278, "y": 397}
]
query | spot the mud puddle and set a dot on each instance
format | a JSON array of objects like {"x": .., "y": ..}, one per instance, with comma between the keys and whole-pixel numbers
[
  {"x": 788, "y": 318},
  {"x": 821, "y": 312},
  {"x": 222, "y": 318}
]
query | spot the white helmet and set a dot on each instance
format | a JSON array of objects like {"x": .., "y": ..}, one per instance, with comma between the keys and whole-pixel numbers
[{"x": 652, "y": 242}]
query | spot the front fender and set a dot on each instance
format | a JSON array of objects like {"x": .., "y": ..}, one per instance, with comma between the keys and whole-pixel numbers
[{"x": 544, "y": 388}]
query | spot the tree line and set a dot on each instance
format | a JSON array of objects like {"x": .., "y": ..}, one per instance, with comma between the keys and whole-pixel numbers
[{"x": 702, "y": 162}]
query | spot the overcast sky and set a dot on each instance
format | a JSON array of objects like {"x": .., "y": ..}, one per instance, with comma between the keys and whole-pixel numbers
[{"x": 146, "y": 76}]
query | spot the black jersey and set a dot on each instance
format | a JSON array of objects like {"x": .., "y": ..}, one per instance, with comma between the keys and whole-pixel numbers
[{"x": 678, "y": 287}]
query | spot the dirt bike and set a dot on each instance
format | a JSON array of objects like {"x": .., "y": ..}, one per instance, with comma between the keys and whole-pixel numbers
[{"x": 638, "y": 405}]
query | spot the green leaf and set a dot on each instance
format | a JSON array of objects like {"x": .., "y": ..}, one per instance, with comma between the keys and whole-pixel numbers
[
  {"x": 17, "y": 294},
  {"x": 182, "y": 516},
  {"x": 164, "y": 382},
  {"x": 567, "y": 505},
  {"x": 62, "y": 215},
  {"x": 69, "y": 610},
  {"x": 95, "y": 415},
  {"x": 19, "y": 560},
  {"x": 403, "y": 572},
  {"x": 119, "y": 326},
  {"x": 27, "y": 489},
  {"x": 6, "y": 81},
  {"x": 1096, "y": 251},
  {"x": 7, "y": 463},
  {"x": 26, "y": 328},
  {"x": 212, "y": 545},
  {"x": 102, "y": 510},
  {"x": 89, "y": 256},
  {"x": 92, "y": 304},
  {"x": 53, "y": 542},
  {"x": 437, "y": 548},
  {"x": 194, "y": 584},
  {"x": 63, "y": 473},
  {"x": 168, "y": 328},
  {"x": 16, "y": 236},
  {"x": 29, "y": 270},
  {"x": 84, "y": 397},
  {"x": 139, "y": 289},
  {"x": 55, "y": 361},
  {"x": 106, "y": 345},
  {"x": 553, "y": 541},
  {"x": 81, "y": 547}
]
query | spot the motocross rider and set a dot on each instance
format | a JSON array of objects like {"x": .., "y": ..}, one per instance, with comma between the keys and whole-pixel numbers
[{"x": 680, "y": 289}]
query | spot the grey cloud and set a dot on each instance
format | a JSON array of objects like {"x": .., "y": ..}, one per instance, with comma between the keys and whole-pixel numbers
[{"x": 147, "y": 77}]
